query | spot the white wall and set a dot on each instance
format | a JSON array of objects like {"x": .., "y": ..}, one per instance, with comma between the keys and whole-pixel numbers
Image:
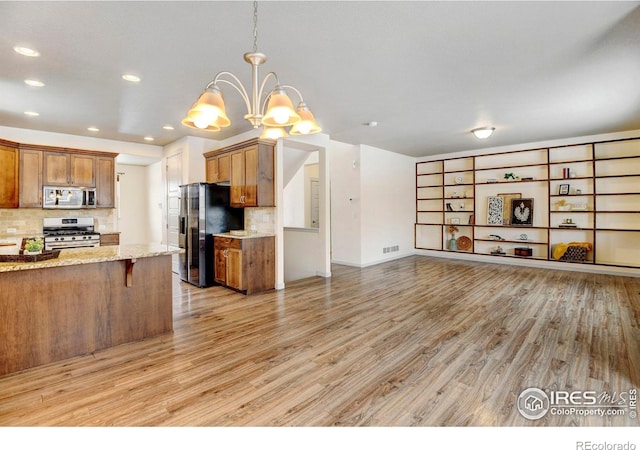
[
  {"x": 345, "y": 203},
  {"x": 133, "y": 218},
  {"x": 155, "y": 202},
  {"x": 373, "y": 204},
  {"x": 387, "y": 204}
]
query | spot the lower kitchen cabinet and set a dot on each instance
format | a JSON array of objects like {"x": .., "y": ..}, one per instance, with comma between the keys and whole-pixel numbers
[{"x": 245, "y": 264}]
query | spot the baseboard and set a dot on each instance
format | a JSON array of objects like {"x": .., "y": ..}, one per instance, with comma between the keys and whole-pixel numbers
[{"x": 372, "y": 263}]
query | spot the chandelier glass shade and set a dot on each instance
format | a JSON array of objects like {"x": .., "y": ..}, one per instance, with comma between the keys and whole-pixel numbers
[{"x": 209, "y": 113}]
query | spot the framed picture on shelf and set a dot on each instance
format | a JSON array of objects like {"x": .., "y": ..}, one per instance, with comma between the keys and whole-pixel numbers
[
  {"x": 522, "y": 212},
  {"x": 506, "y": 206},
  {"x": 494, "y": 210},
  {"x": 563, "y": 189},
  {"x": 454, "y": 221}
]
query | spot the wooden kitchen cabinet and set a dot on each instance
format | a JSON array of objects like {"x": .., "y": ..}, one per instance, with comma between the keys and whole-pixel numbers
[
  {"x": 109, "y": 239},
  {"x": 9, "y": 169},
  {"x": 69, "y": 169},
  {"x": 250, "y": 169},
  {"x": 30, "y": 178},
  {"x": 218, "y": 168},
  {"x": 105, "y": 182},
  {"x": 245, "y": 264}
]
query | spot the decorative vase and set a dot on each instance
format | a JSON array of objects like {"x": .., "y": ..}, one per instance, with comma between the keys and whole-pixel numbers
[{"x": 453, "y": 244}]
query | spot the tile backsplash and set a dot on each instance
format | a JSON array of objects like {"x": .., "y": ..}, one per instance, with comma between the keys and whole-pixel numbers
[
  {"x": 28, "y": 221},
  {"x": 261, "y": 220}
]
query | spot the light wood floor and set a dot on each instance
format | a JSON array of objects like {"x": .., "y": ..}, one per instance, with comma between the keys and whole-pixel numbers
[{"x": 417, "y": 341}]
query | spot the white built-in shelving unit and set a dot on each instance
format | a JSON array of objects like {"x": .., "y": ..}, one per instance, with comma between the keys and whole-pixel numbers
[{"x": 588, "y": 193}]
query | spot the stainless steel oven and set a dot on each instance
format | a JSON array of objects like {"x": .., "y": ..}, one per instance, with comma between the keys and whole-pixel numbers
[{"x": 61, "y": 233}]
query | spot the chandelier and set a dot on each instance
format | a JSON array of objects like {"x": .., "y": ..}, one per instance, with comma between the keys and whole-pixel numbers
[{"x": 208, "y": 112}]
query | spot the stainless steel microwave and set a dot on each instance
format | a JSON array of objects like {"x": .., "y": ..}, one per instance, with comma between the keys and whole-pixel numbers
[{"x": 56, "y": 197}]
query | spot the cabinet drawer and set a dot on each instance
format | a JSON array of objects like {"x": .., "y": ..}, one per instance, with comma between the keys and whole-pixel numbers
[{"x": 224, "y": 242}]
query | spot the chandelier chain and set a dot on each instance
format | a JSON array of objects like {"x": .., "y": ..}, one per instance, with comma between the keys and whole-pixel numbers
[{"x": 255, "y": 26}]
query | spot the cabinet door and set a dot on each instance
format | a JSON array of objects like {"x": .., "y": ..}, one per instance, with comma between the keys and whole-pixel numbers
[
  {"x": 8, "y": 177},
  {"x": 105, "y": 182},
  {"x": 251, "y": 176},
  {"x": 212, "y": 169},
  {"x": 234, "y": 274},
  {"x": 220, "y": 265},
  {"x": 83, "y": 171},
  {"x": 224, "y": 167},
  {"x": 56, "y": 169},
  {"x": 30, "y": 178},
  {"x": 237, "y": 178}
]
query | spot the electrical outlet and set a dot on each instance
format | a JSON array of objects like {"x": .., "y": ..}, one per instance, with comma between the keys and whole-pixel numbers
[{"x": 11, "y": 231}]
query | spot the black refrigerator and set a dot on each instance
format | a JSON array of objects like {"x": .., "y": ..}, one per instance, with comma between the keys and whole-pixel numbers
[{"x": 204, "y": 210}]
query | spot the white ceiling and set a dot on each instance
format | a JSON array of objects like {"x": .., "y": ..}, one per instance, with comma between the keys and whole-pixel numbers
[{"x": 427, "y": 72}]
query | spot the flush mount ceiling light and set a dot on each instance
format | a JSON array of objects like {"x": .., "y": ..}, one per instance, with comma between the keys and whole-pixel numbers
[
  {"x": 131, "y": 78},
  {"x": 25, "y": 51},
  {"x": 31, "y": 113},
  {"x": 208, "y": 112},
  {"x": 483, "y": 133},
  {"x": 34, "y": 83}
]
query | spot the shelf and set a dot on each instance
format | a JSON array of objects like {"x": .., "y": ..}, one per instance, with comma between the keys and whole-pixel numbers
[
  {"x": 516, "y": 227},
  {"x": 619, "y": 193},
  {"x": 512, "y": 182},
  {"x": 516, "y": 256},
  {"x": 600, "y": 177},
  {"x": 616, "y": 157},
  {"x": 564, "y": 163},
  {"x": 572, "y": 178},
  {"x": 572, "y": 211},
  {"x": 518, "y": 166},
  {"x": 571, "y": 195},
  {"x": 508, "y": 241}
]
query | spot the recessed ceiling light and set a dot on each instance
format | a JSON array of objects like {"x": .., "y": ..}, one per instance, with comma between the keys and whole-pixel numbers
[
  {"x": 372, "y": 124},
  {"x": 93, "y": 129},
  {"x": 31, "y": 113},
  {"x": 131, "y": 78},
  {"x": 483, "y": 133},
  {"x": 34, "y": 83},
  {"x": 167, "y": 127},
  {"x": 25, "y": 51},
  {"x": 148, "y": 138}
]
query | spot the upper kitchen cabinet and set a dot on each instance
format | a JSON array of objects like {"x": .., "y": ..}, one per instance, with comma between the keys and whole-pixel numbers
[
  {"x": 105, "y": 182},
  {"x": 30, "y": 178},
  {"x": 9, "y": 163},
  {"x": 69, "y": 169},
  {"x": 249, "y": 167},
  {"x": 218, "y": 168}
]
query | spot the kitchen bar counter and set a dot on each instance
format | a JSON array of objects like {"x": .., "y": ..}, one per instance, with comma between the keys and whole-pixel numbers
[
  {"x": 75, "y": 256},
  {"x": 83, "y": 301}
]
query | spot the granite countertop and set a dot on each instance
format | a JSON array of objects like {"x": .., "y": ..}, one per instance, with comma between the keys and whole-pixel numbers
[
  {"x": 249, "y": 235},
  {"x": 75, "y": 256}
]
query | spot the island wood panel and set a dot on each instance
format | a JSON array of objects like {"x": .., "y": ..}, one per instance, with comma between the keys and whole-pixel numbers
[{"x": 55, "y": 313}]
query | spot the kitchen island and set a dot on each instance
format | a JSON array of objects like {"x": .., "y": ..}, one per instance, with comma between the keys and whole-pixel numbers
[{"x": 82, "y": 301}]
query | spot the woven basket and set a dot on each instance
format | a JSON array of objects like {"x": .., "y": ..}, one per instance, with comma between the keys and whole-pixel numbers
[{"x": 574, "y": 254}]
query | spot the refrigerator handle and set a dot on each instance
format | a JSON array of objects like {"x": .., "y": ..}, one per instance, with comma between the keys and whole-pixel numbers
[{"x": 183, "y": 225}]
